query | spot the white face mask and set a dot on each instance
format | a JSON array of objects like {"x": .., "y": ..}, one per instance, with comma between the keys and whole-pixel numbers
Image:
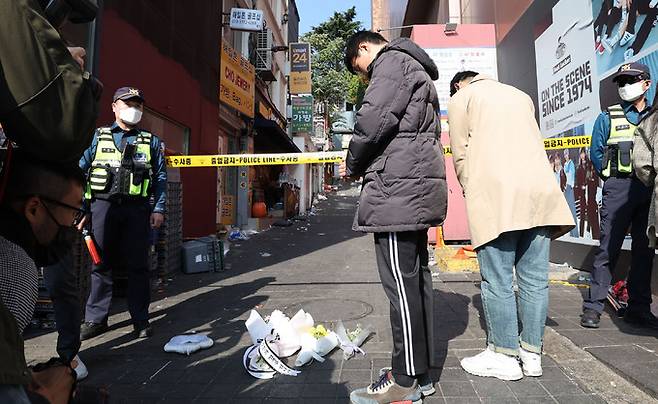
[
  {"x": 632, "y": 92},
  {"x": 130, "y": 116}
]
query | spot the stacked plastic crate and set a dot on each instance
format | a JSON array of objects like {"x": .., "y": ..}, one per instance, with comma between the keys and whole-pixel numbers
[
  {"x": 44, "y": 312},
  {"x": 170, "y": 240}
]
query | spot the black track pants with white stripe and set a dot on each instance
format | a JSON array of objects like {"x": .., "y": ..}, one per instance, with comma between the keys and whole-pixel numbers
[{"x": 402, "y": 260}]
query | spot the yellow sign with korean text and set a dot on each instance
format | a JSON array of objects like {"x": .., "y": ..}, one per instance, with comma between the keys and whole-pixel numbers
[
  {"x": 236, "y": 81},
  {"x": 300, "y": 68},
  {"x": 300, "y": 82}
]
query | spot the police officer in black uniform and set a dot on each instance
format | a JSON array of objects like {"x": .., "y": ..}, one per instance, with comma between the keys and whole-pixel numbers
[{"x": 125, "y": 167}]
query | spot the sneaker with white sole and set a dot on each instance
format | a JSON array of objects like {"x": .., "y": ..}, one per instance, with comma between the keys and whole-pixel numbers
[
  {"x": 628, "y": 54},
  {"x": 424, "y": 382},
  {"x": 530, "y": 362},
  {"x": 385, "y": 391},
  {"x": 610, "y": 44},
  {"x": 626, "y": 38},
  {"x": 80, "y": 369},
  {"x": 489, "y": 363}
]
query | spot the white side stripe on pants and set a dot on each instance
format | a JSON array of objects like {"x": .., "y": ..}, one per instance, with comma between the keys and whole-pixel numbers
[{"x": 404, "y": 306}]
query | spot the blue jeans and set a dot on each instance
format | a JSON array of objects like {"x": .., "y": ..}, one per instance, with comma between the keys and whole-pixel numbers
[{"x": 527, "y": 251}]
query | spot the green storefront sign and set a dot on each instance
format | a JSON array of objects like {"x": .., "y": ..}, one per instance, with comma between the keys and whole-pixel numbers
[{"x": 302, "y": 114}]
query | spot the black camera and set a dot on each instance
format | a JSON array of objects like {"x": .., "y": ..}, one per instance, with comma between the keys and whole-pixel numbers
[{"x": 75, "y": 11}]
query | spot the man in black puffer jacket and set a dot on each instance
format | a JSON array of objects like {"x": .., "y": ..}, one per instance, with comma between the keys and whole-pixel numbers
[{"x": 397, "y": 151}]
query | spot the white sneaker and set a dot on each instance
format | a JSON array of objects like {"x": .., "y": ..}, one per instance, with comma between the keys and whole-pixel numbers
[
  {"x": 493, "y": 364},
  {"x": 531, "y": 363},
  {"x": 626, "y": 38},
  {"x": 610, "y": 43},
  {"x": 628, "y": 54},
  {"x": 81, "y": 371}
]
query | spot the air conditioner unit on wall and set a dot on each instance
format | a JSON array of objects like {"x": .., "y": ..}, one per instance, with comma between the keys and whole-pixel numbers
[{"x": 264, "y": 50}]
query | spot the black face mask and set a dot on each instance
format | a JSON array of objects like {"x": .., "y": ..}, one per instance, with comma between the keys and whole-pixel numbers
[{"x": 59, "y": 247}]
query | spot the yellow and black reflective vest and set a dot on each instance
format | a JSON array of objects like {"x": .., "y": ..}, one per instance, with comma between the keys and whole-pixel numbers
[
  {"x": 112, "y": 173},
  {"x": 619, "y": 148}
]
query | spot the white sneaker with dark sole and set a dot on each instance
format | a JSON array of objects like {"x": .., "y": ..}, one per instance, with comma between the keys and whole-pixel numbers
[{"x": 489, "y": 363}]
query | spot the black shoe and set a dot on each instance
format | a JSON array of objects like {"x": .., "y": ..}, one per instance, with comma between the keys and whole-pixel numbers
[
  {"x": 590, "y": 318},
  {"x": 90, "y": 330},
  {"x": 643, "y": 319},
  {"x": 143, "y": 330}
]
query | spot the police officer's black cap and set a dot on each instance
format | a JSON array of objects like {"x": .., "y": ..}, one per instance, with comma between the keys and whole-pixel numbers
[
  {"x": 128, "y": 93},
  {"x": 633, "y": 70}
]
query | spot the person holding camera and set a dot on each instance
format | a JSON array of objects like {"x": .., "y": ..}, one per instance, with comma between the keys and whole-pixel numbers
[
  {"x": 39, "y": 214},
  {"x": 125, "y": 166}
]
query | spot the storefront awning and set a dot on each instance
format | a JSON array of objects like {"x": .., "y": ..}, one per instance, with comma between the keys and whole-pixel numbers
[{"x": 270, "y": 138}]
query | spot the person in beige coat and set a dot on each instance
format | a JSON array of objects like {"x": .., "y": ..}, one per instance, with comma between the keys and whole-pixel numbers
[{"x": 514, "y": 207}]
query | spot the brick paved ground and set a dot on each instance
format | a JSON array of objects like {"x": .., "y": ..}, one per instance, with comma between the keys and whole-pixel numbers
[{"x": 322, "y": 266}]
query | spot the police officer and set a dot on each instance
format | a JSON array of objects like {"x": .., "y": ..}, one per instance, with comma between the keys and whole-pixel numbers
[
  {"x": 625, "y": 202},
  {"x": 125, "y": 167}
]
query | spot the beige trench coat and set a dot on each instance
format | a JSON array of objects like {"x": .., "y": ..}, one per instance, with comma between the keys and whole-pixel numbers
[{"x": 501, "y": 163}]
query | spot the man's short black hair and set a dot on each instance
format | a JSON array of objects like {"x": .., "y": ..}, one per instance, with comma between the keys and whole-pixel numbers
[
  {"x": 466, "y": 74},
  {"x": 352, "y": 46},
  {"x": 29, "y": 176}
]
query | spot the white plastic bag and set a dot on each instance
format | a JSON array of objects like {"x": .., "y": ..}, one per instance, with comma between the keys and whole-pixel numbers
[
  {"x": 257, "y": 327},
  {"x": 187, "y": 344},
  {"x": 288, "y": 341}
]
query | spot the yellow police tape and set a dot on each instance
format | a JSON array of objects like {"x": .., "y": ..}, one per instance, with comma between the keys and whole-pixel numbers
[
  {"x": 567, "y": 142},
  {"x": 233, "y": 160}
]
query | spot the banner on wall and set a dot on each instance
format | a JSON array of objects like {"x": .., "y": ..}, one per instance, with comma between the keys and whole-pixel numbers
[
  {"x": 576, "y": 57},
  {"x": 451, "y": 61},
  {"x": 567, "y": 84}
]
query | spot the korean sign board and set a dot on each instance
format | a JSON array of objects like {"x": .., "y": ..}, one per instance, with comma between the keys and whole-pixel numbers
[
  {"x": 245, "y": 19},
  {"x": 302, "y": 114},
  {"x": 236, "y": 81},
  {"x": 300, "y": 68}
]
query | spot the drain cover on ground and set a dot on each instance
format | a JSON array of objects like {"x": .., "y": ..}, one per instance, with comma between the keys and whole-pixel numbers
[{"x": 332, "y": 310}]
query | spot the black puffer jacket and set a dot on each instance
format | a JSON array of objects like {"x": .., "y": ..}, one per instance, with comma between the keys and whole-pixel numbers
[{"x": 396, "y": 145}]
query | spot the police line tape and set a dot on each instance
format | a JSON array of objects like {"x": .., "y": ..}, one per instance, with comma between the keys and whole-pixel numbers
[
  {"x": 555, "y": 143},
  {"x": 235, "y": 160}
]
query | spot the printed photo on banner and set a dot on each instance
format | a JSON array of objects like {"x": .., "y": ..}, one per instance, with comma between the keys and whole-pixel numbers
[
  {"x": 578, "y": 181},
  {"x": 569, "y": 101},
  {"x": 566, "y": 70},
  {"x": 624, "y": 31}
]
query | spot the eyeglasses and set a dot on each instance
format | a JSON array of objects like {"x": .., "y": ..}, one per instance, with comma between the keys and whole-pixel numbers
[{"x": 79, "y": 213}]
